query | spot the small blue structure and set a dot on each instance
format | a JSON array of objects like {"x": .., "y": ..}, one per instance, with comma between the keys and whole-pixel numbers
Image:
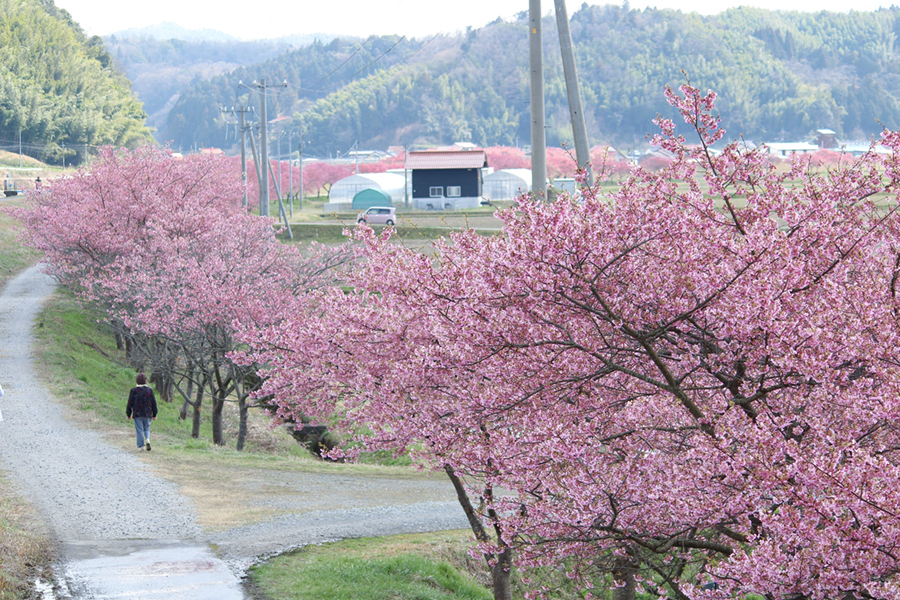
[{"x": 371, "y": 197}]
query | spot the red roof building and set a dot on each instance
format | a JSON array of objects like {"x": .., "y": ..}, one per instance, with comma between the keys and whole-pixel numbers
[
  {"x": 446, "y": 159},
  {"x": 446, "y": 179}
]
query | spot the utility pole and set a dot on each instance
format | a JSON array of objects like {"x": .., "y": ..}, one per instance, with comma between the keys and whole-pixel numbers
[
  {"x": 300, "y": 158},
  {"x": 579, "y": 130},
  {"x": 280, "y": 179},
  {"x": 538, "y": 135},
  {"x": 263, "y": 145},
  {"x": 255, "y": 157},
  {"x": 281, "y": 211},
  {"x": 242, "y": 110},
  {"x": 263, "y": 151},
  {"x": 291, "y": 171}
]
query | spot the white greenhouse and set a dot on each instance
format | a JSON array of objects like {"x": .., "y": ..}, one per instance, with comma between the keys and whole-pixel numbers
[
  {"x": 340, "y": 197},
  {"x": 507, "y": 184}
]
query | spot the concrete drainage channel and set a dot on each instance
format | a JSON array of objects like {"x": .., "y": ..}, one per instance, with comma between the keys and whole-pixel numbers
[{"x": 150, "y": 570}]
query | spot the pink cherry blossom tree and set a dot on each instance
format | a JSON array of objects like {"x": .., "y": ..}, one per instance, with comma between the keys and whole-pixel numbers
[
  {"x": 164, "y": 248},
  {"x": 691, "y": 384},
  {"x": 506, "y": 157}
]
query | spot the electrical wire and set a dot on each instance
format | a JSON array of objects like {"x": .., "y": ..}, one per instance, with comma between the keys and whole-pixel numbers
[
  {"x": 382, "y": 55},
  {"x": 355, "y": 52},
  {"x": 358, "y": 48}
]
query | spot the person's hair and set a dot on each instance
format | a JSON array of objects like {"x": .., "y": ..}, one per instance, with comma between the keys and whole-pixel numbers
[{"x": 141, "y": 379}]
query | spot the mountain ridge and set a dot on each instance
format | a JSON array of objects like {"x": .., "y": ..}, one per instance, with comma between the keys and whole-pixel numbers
[{"x": 779, "y": 75}]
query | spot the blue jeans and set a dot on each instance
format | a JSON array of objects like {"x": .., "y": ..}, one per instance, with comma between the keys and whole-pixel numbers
[{"x": 142, "y": 428}]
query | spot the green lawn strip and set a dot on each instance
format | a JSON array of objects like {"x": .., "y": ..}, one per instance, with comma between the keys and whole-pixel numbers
[
  {"x": 330, "y": 233},
  {"x": 14, "y": 257},
  {"x": 406, "y": 567}
]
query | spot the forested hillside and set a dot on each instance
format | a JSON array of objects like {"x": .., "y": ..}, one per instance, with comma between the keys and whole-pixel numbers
[
  {"x": 160, "y": 68},
  {"x": 59, "y": 88},
  {"x": 780, "y": 76}
]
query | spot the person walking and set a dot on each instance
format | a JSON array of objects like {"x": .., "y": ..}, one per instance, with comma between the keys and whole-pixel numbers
[{"x": 142, "y": 408}]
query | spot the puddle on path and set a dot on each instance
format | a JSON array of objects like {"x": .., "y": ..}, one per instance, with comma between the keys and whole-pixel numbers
[{"x": 149, "y": 570}]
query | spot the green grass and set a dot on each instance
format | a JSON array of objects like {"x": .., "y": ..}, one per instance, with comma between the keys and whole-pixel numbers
[
  {"x": 14, "y": 257},
  {"x": 411, "y": 567},
  {"x": 330, "y": 233}
]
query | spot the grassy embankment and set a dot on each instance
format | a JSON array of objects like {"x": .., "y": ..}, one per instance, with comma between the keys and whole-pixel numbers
[
  {"x": 415, "y": 227},
  {"x": 25, "y": 545},
  {"x": 80, "y": 363},
  {"x": 408, "y": 567}
]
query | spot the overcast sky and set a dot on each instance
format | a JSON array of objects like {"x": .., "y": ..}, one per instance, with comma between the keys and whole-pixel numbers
[{"x": 258, "y": 19}]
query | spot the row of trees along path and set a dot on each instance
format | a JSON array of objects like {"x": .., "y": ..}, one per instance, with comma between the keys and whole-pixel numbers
[{"x": 687, "y": 388}]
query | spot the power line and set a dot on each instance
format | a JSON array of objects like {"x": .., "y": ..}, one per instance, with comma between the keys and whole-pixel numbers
[
  {"x": 382, "y": 55},
  {"x": 355, "y": 52}
]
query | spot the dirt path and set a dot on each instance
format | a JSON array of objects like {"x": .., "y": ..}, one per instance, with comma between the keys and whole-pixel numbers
[{"x": 125, "y": 532}]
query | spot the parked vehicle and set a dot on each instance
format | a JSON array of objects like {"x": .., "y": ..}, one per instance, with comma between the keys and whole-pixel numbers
[{"x": 378, "y": 215}]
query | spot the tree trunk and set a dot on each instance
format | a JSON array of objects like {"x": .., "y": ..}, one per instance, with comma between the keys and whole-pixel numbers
[
  {"x": 120, "y": 341},
  {"x": 169, "y": 389},
  {"x": 501, "y": 571},
  {"x": 182, "y": 415},
  {"x": 198, "y": 402},
  {"x": 242, "y": 431},
  {"x": 163, "y": 383},
  {"x": 501, "y": 576},
  {"x": 187, "y": 396},
  {"x": 217, "y": 429},
  {"x": 624, "y": 574}
]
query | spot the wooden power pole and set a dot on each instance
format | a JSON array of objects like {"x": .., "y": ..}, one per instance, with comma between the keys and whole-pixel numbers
[
  {"x": 538, "y": 135},
  {"x": 579, "y": 130}
]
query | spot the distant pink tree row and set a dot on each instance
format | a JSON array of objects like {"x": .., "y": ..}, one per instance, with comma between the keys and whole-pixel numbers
[
  {"x": 692, "y": 385},
  {"x": 561, "y": 162},
  {"x": 319, "y": 176}
]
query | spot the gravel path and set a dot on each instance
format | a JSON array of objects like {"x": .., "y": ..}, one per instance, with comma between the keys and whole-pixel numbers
[
  {"x": 96, "y": 497},
  {"x": 87, "y": 489}
]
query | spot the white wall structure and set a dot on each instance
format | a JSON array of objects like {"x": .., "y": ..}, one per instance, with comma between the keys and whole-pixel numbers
[
  {"x": 789, "y": 148},
  {"x": 507, "y": 184},
  {"x": 340, "y": 197}
]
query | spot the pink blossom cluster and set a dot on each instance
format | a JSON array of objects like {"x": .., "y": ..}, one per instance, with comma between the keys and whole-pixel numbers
[
  {"x": 692, "y": 381},
  {"x": 162, "y": 244},
  {"x": 164, "y": 249}
]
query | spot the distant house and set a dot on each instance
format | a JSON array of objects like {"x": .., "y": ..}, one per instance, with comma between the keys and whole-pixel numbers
[
  {"x": 827, "y": 139},
  {"x": 858, "y": 148},
  {"x": 790, "y": 148},
  {"x": 507, "y": 184},
  {"x": 446, "y": 179}
]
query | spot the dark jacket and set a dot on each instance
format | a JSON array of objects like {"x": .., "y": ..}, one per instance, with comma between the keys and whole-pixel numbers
[{"x": 141, "y": 402}]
